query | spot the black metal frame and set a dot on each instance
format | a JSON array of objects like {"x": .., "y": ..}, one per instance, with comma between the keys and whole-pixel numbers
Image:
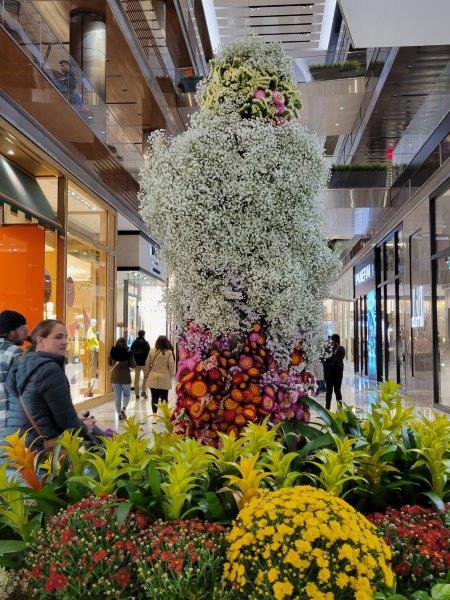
[{"x": 435, "y": 256}]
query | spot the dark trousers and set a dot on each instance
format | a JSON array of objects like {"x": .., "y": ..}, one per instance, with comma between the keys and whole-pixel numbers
[
  {"x": 158, "y": 395},
  {"x": 333, "y": 382}
]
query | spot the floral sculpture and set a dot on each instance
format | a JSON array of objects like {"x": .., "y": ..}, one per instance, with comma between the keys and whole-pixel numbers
[{"x": 235, "y": 202}]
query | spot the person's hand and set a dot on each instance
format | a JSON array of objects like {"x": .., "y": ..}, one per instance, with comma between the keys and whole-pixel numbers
[{"x": 90, "y": 423}]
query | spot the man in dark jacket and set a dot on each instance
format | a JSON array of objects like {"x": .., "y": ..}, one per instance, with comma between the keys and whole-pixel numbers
[
  {"x": 333, "y": 370},
  {"x": 13, "y": 331},
  {"x": 140, "y": 349}
]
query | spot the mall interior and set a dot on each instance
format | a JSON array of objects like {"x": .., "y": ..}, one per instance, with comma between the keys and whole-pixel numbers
[{"x": 72, "y": 145}]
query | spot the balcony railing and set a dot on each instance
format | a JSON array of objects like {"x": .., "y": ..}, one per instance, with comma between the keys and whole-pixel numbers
[
  {"x": 26, "y": 26},
  {"x": 435, "y": 107}
]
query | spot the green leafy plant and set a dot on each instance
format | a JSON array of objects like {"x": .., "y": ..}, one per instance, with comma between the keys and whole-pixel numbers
[{"x": 360, "y": 167}]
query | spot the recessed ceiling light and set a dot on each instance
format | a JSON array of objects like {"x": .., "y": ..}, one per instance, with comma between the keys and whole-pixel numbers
[
  {"x": 10, "y": 152},
  {"x": 341, "y": 108},
  {"x": 337, "y": 124}
]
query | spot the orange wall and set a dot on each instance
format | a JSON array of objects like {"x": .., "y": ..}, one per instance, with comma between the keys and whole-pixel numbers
[{"x": 22, "y": 256}]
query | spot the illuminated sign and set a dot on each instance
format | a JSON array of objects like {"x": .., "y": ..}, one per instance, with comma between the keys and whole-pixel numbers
[{"x": 364, "y": 274}]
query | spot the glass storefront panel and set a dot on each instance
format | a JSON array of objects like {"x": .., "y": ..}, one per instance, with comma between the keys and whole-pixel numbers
[
  {"x": 390, "y": 258},
  {"x": 85, "y": 215},
  {"x": 86, "y": 318},
  {"x": 421, "y": 317},
  {"x": 442, "y": 222},
  {"x": 443, "y": 327},
  {"x": 50, "y": 275},
  {"x": 140, "y": 305},
  {"x": 391, "y": 331}
]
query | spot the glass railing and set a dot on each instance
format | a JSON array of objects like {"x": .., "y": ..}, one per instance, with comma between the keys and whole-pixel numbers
[
  {"x": 376, "y": 59},
  {"x": 32, "y": 34},
  {"x": 427, "y": 118}
]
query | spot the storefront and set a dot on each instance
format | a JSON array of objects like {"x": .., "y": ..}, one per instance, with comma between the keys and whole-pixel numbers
[
  {"x": 57, "y": 249},
  {"x": 390, "y": 332},
  {"x": 140, "y": 288},
  {"x": 365, "y": 314}
]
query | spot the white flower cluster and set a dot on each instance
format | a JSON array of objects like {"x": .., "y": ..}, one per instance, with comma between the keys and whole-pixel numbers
[{"x": 236, "y": 205}]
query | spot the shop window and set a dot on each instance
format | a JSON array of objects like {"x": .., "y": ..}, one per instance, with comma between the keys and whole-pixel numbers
[
  {"x": 50, "y": 275},
  {"x": 86, "y": 296},
  {"x": 441, "y": 237},
  {"x": 390, "y": 262},
  {"x": 443, "y": 327},
  {"x": 421, "y": 321},
  {"x": 86, "y": 216}
]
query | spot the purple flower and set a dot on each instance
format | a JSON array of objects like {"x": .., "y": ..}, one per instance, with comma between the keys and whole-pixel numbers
[{"x": 259, "y": 94}]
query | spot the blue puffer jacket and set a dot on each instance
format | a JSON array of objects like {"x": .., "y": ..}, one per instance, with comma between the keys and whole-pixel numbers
[{"x": 39, "y": 378}]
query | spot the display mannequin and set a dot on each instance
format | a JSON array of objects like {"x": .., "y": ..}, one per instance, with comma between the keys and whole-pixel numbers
[{"x": 93, "y": 348}]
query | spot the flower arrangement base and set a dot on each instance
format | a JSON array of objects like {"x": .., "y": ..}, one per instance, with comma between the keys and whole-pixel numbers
[{"x": 226, "y": 382}]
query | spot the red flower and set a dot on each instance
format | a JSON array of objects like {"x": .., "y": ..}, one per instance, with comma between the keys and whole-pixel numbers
[
  {"x": 141, "y": 521},
  {"x": 123, "y": 577},
  {"x": 98, "y": 522},
  {"x": 166, "y": 555},
  {"x": 36, "y": 572},
  {"x": 56, "y": 581},
  {"x": 67, "y": 535},
  {"x": 99, "y": 555},
  {"x": 177, "y": 564}
]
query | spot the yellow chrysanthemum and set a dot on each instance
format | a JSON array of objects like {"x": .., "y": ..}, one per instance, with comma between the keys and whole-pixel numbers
[{"x": 282, "y": 534}]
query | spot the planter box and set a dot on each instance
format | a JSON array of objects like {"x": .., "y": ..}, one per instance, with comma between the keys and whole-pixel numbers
[
  {"x": 358, "y": 179},
  {"x": 327, "y": 74}
]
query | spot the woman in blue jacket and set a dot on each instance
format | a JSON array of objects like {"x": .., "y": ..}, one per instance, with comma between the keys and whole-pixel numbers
[{"x": 38, "y": 390}]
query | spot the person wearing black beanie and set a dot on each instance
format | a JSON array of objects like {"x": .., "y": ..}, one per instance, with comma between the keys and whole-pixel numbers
[{"x": 13, "y": 331}]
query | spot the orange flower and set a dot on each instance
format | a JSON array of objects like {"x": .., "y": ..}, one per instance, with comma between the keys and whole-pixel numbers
[
  {"x": 231, "y": 404},
  {"x": 196, "y": 410},
  {"x": 212, "y": 406},
  {"x": 296, "y": 358},
  {"x": 240, "y": 420},
  {"x": 22, "y": 458},
  {"x": 236, "y": 395},
  {"x": 189, "y": 376},
  {"x": 249, "y": 413},
  {"x": 254, "y": 372},
  {"x": 198, "y": 388}
]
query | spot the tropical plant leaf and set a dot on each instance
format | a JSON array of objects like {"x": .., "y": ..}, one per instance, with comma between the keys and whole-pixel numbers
[{"x": 11, "y": 546}]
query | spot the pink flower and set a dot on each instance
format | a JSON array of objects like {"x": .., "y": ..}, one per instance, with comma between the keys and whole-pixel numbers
[
  {"x": 259, "y": 94},
  {"x": 277, "y": 97},
  {"x": 281, "y": 108}
]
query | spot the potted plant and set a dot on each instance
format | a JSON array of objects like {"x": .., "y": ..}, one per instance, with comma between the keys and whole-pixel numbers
[{"x": 358, "y": 175}]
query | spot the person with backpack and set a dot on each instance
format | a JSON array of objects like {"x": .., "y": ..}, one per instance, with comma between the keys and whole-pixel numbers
[
  {"x": 140, "y": 349},
  {"x": 123, "y": 361},
  {"x": 160, "y": 369}
]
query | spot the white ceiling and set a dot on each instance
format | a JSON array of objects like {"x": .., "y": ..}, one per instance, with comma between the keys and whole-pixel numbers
[
  {"x": 331, "y": 107},
  {"x": 299, "y": 26},
  {"x": 386, "y": 23}
]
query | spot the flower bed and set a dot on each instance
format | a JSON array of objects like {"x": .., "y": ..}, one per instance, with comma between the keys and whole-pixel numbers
[
  {"x": 95, "y": 549},
  {"x": 420, "y": 544}
]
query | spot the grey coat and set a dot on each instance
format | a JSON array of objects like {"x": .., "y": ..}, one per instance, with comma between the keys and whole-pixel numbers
[{"x": 39, "y": 377}]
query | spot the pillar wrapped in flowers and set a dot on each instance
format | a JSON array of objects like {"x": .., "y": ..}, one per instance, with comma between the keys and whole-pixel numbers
[{"x": 236, "y": 204}]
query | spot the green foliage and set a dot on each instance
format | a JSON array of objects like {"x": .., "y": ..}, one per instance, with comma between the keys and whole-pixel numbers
[
  {"x": 360, "y": 167},
  {"x": 433, "y": 449}
]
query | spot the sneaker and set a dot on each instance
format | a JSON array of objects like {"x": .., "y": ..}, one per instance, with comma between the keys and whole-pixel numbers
[
  {"x": 144, "y": 395},
  {"x": 122, "y": 415}
]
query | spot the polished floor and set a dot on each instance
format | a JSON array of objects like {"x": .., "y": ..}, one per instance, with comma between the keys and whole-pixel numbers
[{"x": 356, "y": 391}]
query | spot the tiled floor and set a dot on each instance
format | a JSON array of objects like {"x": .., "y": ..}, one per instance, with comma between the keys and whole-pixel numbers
[{"x": 356, "y": 391}]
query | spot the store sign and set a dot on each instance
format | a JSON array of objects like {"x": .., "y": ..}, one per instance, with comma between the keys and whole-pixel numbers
[
  {"x": 417, "y": 307},
  {"x": 365, "y": 274},
  {"x": 371, "y": 335}
]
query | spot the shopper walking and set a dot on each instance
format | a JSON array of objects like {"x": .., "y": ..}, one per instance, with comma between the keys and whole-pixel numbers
[
  {"x": 13, "y": 331},
  {"x": 333, "y": 370},
  {"x": 122, "y": 360},
  {"x": 160, "y": 369},
  {"x": 140, "y": 349},
  {"x": 38, "y": 391}
]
